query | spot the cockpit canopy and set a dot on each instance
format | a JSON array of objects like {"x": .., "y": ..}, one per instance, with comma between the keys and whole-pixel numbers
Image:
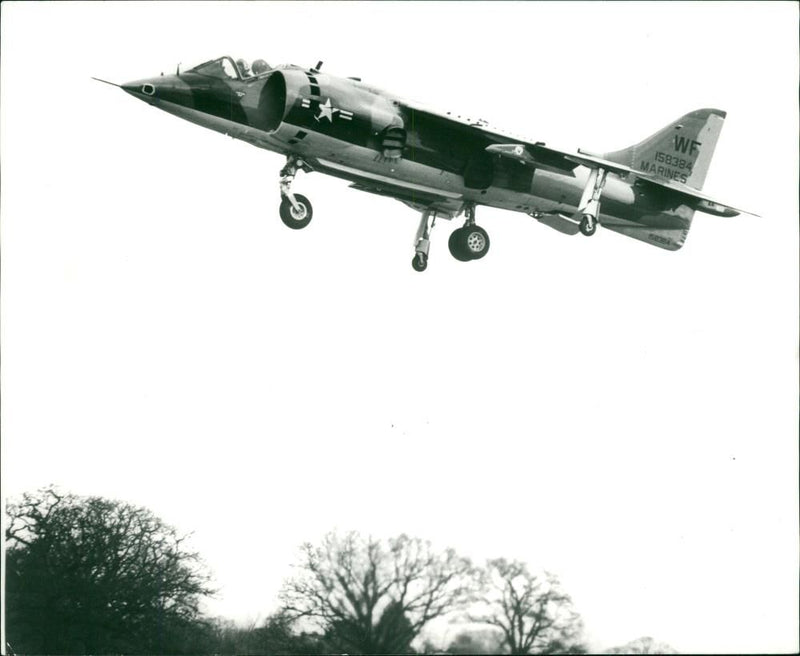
[{"x": 225, "y": 68}]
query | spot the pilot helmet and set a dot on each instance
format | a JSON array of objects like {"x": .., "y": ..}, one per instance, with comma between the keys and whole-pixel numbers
[
  {"x": 242, "y": 65},
  {"x": 260, "y": 66}
]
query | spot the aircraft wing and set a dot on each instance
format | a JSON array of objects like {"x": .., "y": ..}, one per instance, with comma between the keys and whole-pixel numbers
[
  {"x": 543, "y": 157},
  {"x": 496, "y": 141}
]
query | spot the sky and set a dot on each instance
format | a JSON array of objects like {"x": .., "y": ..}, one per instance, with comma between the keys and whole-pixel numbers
[{"x": 622, "y": 416}]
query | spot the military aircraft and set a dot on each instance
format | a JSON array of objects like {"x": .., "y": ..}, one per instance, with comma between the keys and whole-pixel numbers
[{"x": 442, "y": 164}]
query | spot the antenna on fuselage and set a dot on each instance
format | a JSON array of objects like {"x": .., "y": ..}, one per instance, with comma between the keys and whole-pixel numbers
[
  {"x": 178, "y": 69},
  {"x": 317, "y": 67}
]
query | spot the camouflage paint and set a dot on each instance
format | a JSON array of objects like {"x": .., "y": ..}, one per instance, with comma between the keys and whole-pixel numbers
[{"x": 388, "y": 146}]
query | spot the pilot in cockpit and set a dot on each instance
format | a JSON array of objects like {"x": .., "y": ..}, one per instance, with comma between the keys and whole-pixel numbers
[{"x": 244, "y": 68}]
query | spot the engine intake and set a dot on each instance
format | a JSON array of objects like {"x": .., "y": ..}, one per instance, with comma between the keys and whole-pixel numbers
[{"x": 272, "y": 103}]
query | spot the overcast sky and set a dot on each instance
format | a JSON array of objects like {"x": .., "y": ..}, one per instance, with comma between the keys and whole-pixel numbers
[{"x": 623, "y": 416}]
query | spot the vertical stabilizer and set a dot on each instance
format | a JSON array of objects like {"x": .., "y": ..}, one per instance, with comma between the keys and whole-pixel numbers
[{"x": 680, "y": 152}]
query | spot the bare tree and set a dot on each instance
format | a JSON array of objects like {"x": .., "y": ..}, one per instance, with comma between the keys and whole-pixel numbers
[
  {"x": 86, "y": 574},
  {"x": 375, "y": 597},
  {"x": 533, "y": 613}
]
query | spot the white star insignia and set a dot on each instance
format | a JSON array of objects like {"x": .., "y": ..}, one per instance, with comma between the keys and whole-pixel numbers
[{"x": 326, "y": 111}]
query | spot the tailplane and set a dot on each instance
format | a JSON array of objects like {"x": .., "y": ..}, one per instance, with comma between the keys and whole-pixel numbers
[{"x": 681, "y": 152}]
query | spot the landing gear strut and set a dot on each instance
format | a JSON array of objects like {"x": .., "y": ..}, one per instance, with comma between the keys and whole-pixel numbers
[
  {"x": 295, "y": 209},
  {"x": 422, "y": 242},
  {"x": 470, "y": 242},
  {"x": 590, "y": 201}
]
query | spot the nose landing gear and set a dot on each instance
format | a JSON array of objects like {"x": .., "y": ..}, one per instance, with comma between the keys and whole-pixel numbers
[{"x": 295, "y": 209}]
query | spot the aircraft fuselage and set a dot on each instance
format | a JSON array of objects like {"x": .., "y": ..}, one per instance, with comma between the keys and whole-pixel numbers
[{"x": 339, "y": 126}]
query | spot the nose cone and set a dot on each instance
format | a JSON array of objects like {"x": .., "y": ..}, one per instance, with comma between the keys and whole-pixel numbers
[
  {"x": 156, "y": 90},
  {"x": 142, "y": 89}
]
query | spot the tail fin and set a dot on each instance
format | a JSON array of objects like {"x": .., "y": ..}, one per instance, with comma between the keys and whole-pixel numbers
[{"x": 680, "y": 152}]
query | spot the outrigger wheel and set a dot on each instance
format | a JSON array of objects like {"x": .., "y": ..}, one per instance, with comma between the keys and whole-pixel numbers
[
  {"x": 468, "y": 243},
  {"x": 588, "y": 225},
  {"x": 296, "y": 217}
]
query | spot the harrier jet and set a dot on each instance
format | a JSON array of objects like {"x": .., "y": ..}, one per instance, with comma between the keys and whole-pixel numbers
[{"x": 441, "y": 164}]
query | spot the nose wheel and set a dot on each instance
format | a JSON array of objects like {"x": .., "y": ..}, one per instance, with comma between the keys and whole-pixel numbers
[
  {"x": 296, "y": 215},
  {"x": 295, "y": 209}
]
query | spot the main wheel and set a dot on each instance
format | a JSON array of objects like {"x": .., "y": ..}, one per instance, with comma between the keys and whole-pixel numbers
[
  {"x": 420, "y": 262},
  {"x": 588, "y": 225},
  {"x": 457, "y": 246},
  {"x": 299, "y": 217},
  {"x": 476, "y": 242}
]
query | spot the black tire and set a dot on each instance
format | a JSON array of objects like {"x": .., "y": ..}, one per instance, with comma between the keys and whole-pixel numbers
[
  {"x": 588, "y": 225},
  {"x": 457, "y": 246},
  {"x": 420, "y": 262},
  {"x": 475, "y": 242},
  {"x": 291, "y": 217}
]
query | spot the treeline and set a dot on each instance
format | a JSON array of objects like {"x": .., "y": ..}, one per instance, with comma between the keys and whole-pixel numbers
[{"x": 92, "y": 575}]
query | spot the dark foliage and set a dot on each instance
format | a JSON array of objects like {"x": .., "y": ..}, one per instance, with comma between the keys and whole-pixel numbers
[
  {"x": 274, "y": 638},
  {"x": 91, "y": 575}
]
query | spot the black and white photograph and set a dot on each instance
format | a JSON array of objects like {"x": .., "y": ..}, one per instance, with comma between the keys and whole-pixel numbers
[{"x": 399, "y": 327}]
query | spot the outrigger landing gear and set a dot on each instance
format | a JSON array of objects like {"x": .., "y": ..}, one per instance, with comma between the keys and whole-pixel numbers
[
  {"x": 422, "y": 243},
  {"x": 588, "y": 225},
  {"x": 470, "y": 242},
  {"x": 295, "y": 209},
  {"x": 590, "y": 201}
]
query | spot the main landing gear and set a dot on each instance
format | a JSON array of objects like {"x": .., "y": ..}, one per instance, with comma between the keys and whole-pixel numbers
[
  {"x": 295, "y": 209},
  {"x": 470, "y": 242}
]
